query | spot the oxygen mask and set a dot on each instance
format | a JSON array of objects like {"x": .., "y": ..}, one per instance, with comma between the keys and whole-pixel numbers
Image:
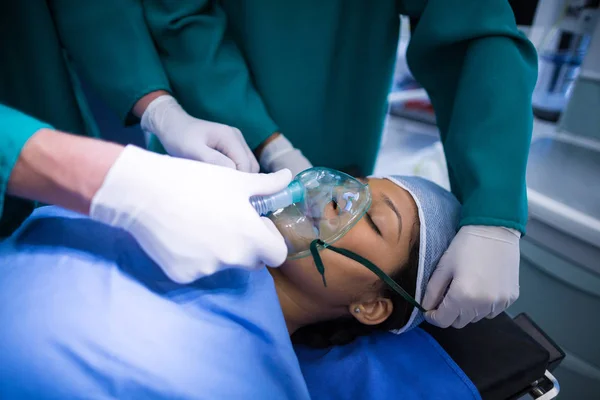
[{"x": 325, "y": 205}]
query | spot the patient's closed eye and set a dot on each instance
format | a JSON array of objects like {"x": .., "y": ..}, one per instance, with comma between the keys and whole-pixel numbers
[{"x": 373, "y": 225}]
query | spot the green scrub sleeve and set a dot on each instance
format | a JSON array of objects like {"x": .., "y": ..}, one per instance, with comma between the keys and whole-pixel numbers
[
  {"x": 15, "y": 130},
  {"x": 479, "y": 71},
  {"x": 109, "y": 43},
  {"x": 206, "y": 70}
]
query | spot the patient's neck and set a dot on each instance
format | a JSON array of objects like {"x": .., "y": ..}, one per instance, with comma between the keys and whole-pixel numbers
[{"x": 298, "y": 309}]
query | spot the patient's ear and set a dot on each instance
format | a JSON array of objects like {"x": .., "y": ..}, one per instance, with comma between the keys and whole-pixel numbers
[{"x": 372, "y": 312}]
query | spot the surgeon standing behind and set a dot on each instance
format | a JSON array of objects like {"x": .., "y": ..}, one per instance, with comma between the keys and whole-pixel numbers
[
  {"x": 320, "y": 71},
  {"x": 183, "y": 213}
]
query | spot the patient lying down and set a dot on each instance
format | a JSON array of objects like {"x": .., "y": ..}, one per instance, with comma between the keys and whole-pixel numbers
[
  {"x": 404, "y": 240},
  {"x": 84, "y": 313}
]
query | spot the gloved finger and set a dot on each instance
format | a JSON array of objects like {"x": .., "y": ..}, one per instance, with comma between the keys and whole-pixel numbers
[
  {"x": 492, "y": 314},
  {"x": 181, "y": 274},
  {"x": 436, "y": 288},
  {"x": 445, "y": 314},
  {"x": 210, "y": 156},
  {"x": 269, "y": 183},
  {"x": 512, "y": 299},
  {"x": 478, "y": 318},
  {"x": 254, "y": 167},
  {"x": 498, "y": 309},
  {"x": 177, "y": 275},
  {"x": 272, "y": 250},
  {"x": 233, "y": 145},
  {"x": 464, "y": 318}
]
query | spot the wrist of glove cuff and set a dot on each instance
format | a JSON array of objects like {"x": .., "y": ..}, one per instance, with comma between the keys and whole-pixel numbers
[
  {"x": 156, "y": 112},
  {"x": 279, "y": 154}
]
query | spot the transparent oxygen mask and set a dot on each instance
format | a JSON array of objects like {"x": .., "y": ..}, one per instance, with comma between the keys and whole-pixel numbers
[
  {"x": 327, "y": 204},
  {"x": 316, "y": 209}
]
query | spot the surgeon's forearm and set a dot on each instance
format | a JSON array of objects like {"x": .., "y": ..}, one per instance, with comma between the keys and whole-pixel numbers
[{"x": 62, "y": 169}]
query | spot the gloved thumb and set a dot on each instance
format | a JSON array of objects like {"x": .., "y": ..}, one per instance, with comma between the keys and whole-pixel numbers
[
  {"x": 437, "y": 287},
  {"x": 445, "y": 315},
  {"x": 263, "y": 184},
  {"x": 278, "y": 252}
]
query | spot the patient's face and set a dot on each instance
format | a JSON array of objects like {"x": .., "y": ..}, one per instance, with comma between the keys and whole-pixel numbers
[{"x": 384, "y": 236}]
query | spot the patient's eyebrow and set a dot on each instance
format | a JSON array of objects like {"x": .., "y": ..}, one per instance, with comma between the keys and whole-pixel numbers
[{"x": 391, "y": 205}]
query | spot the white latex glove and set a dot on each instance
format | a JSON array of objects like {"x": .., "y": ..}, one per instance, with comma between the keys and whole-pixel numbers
[
  {"x": 280, "y": 154},
  {"x": 191, "y": 218},
  {"x": 480, "y": 270},
  {"x": 187, "y": 137}
]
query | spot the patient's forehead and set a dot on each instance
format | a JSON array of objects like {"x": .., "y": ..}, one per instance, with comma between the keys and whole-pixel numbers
[
  {"x": 391, "y": 189},
  {"x": 401, "y": 196}
]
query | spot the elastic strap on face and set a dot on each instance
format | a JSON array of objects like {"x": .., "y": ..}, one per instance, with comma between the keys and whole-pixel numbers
[
  {"x": 314, "y": 250},
  {"x": 368, "y": 264}
]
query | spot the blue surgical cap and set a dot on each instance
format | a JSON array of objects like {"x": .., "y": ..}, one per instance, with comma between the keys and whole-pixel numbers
[{"x": 439, "y": 214}]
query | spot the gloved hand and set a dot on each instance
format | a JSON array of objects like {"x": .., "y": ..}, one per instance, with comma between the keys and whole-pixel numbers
[
  {"x": 480, "y": 269},
  {"x": 280, "y": 154},
  {"x": 187, "y": 137},
  {"x": 191, "y": 218}
]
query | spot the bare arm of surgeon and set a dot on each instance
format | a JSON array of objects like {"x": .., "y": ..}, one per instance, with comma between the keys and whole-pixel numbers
[{"x": 62, "y": 169}]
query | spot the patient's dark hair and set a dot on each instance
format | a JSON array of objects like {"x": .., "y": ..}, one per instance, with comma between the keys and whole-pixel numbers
[{"x": 343, "y": 330}]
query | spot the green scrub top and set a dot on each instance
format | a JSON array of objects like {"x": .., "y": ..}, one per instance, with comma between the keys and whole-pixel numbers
[
  {"x": 317, "y": 71},
  {"x": 320, "y": 71},
  {"x": 44, "y": 43}
]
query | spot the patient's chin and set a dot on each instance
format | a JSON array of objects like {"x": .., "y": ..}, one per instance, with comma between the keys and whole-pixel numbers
[{"x": 298, "y": 271}]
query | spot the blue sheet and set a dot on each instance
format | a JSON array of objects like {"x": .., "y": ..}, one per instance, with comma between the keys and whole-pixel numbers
[
  {"x": 385, "y": 366},
  {"x": 85, "y": 314}
]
